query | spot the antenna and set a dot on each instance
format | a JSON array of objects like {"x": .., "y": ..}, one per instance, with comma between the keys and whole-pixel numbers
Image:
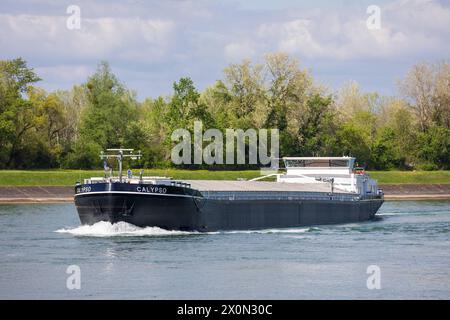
[{"x": 120, "y": 154}]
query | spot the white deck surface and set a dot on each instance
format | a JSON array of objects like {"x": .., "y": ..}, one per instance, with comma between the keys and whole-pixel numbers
[{"x": 225, "y": 185}]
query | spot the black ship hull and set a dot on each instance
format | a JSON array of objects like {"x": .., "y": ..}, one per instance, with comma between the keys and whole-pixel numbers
[{"x": 186, "y": 209}]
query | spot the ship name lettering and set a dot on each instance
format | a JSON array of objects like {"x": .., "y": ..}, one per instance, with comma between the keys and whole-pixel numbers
[
  {"x": 151, "y": 189},
  {"x": 84, "y": 189}
]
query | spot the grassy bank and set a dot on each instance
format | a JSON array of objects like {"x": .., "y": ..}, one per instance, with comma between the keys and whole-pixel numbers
[
  {"x": 420, "y": 177},
  {"x": 69, "y": 177}
]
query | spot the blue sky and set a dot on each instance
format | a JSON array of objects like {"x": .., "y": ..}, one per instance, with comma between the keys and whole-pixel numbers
[{"x": 150, "y": 44}]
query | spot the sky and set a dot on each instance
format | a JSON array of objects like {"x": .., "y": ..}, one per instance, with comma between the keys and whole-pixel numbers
[{"x": 151, "y": 44}]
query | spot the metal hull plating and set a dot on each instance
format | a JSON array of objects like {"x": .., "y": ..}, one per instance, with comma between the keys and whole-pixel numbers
[{"x": 190, "y": 211}]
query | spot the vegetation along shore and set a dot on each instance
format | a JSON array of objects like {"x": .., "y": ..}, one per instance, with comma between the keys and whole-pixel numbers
[{"x": 409, "y": 129}]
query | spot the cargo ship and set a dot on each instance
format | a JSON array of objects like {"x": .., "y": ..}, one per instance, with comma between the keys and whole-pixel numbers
[{"x": 311, "y": 191}]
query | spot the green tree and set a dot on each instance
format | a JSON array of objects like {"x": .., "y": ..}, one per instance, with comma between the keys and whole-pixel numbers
[
  {"x": 385, "y": 152},
  {"x": 149, "y": 133},
  {"x": 185, "y": 106},
  {"x": 353, "y": 143},
  {"x": 288, "y": 89},
  {"x": 242, "y": 90},
  {"x": 434, "y": 147},
  {"x": 426, "y": 87},
  {"x": 17, "y": 114},
  {"x": 50, "y": 121},
  {"x": 73, "y": 101},
  {"x": 316, "y": 133},
  {"x": 105, "y": 121}
]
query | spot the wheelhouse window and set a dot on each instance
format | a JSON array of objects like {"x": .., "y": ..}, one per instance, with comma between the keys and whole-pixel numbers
[{"x": 318, "y": 163}]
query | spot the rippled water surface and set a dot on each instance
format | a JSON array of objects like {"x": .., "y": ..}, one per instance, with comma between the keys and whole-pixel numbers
[{"x": 410, "y": 243}]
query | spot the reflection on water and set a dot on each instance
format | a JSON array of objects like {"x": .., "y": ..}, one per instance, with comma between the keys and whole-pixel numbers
[{"x": 409, "y": 242}]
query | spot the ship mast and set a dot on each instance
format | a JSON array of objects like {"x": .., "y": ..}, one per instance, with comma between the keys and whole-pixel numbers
[{"x": 120, "y": 154}]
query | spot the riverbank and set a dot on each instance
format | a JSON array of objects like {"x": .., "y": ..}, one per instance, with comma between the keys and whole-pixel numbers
[
  {"x": 416, "y": 191},
  {"x": 36, "y": 194},
  {"x": 61, "y": 194}
]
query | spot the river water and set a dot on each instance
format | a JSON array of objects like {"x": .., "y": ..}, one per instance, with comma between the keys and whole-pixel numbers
[{"x": 406, "y": 251}]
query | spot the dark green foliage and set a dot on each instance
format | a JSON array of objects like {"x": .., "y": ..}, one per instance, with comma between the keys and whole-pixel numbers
[
  {"x": 17, "y": 114},
  {"x": 317, "y": 128},
  {"x": 385, "y": 153},
  {"x": 433, "y": 148},
  {"x": 352, "y": 142},
  {"x": 84, "y": 156},
  {"x": 184, "y": 107},
  {"x": 70, "y": 128},
  {"x": 109, "y": 112}
]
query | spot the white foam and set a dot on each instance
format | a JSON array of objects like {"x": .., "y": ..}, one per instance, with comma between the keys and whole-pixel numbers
[
  {"x": 108, "y": 229},
  {"x": 402, "y": 213},
  {"x": 296, "y": 237},
  {"x": 123, "y": 229},
  {"x": 294, "y": 230}
]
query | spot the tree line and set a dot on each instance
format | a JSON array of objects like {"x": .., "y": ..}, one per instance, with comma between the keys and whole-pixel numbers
[{"x": 69, "y": 128}]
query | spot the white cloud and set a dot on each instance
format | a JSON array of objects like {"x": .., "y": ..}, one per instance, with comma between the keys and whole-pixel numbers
[
  {"x": 158, "y": 42},
  {"x": 293, "y": 36},
  {"x": 66, "y": 73},
  {"x": 98, "y": 38},
  {"x": 236, "y": 51},
  {"x": 407, "y": 27}
]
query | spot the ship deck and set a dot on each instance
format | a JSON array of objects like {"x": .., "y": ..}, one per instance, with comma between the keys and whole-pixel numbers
[
  {"x": 247, "y": 190},
  {"x": 263, "y": 186}
]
